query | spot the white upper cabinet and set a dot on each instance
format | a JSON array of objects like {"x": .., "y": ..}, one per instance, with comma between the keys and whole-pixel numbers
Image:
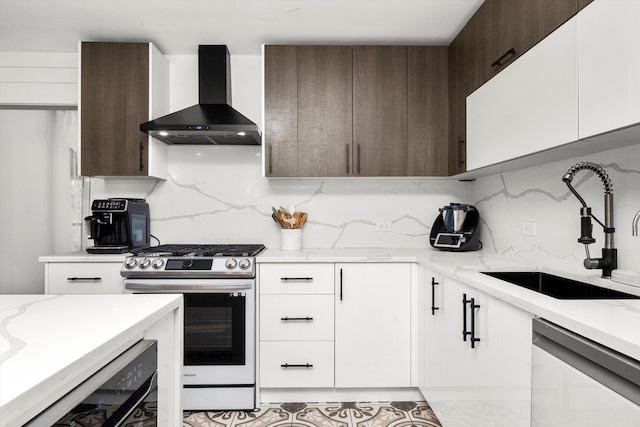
[
  {"x": 609, "y": 46},
  {"x": 529, "y": 107}
]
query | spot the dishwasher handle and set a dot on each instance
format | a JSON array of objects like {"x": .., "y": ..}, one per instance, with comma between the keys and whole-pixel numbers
[{"x": 615, "y": 370}]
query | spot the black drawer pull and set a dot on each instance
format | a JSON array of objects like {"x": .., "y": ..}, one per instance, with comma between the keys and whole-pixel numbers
[
  {"x": 498, "y": 62},
  {"x": 433, "y": 296},
  {"x": 306, "y": 365},
  {"x": 288, "y": 319},
  {"x": 298, "y": 279},
  {"x": 84, "y": 279}
]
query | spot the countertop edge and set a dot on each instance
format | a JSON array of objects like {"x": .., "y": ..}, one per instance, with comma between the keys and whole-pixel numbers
[{"x": 33, "y": 401}]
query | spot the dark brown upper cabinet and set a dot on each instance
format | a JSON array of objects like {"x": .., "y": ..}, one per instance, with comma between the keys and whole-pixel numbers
[
  {"x": 116, "y": 86},
  {"x": 308, "y": 110},
  {"x": 380, "y": 110},
  {"x": 355, "y": 111},
  {"x": 498, "y": 33}
]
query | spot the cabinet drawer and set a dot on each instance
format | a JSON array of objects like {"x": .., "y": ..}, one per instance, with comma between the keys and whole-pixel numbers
[
  {"x": 296, "y": 278},
  {"x": 84, "y": 278},
  {"x": 296, "y": 317},
  {"x": 318, "y": 355}
]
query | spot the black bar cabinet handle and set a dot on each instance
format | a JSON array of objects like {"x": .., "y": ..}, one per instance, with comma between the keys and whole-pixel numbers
[
  {"x": 340, "y": 284},
  {"x": 465, "y": 301},
  {"x": 498, "y": 62},
  {"x": 288, "y": 319},
  {"x": 141, "y": 156},
  {"x": 358, "y": 159},
  {"x": 347, "y": 145},
  {"x": 433, "y": 296},
  {"x": 84, "y": 279},
  {"x": 299, "y": 279},
  {"x": 270, "y": 159},
  {"x": 473, "y": 307},
  {"x": 306, "y": 365},
  {"x": 461, "y": 158}
]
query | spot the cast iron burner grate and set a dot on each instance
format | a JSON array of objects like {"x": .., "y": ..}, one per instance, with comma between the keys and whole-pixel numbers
[{"x": 203, "y": 250}]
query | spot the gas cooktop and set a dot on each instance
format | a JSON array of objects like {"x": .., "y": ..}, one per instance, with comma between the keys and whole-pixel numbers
[
  {"x": 193, "y": 261},
  {"x": 200, "y": 250}
]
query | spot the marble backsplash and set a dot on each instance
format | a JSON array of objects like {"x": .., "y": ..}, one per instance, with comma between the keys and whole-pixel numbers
[
  {"x": 218, "y": 194},
  {"x": 538, "y": 195}
]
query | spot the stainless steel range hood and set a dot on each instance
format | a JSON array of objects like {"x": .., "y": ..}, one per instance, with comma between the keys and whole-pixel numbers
[{"x": 213, "y": 120}]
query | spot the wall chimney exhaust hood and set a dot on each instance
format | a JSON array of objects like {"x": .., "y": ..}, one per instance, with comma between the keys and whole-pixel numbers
[{"x": 213, "y": 120}]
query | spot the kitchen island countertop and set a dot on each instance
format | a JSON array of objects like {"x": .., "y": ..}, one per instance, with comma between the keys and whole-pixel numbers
[{"x": 49, "y": 344}]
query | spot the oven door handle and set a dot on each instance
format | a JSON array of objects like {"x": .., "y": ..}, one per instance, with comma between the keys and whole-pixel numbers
[{"x": 180, "y": 289}]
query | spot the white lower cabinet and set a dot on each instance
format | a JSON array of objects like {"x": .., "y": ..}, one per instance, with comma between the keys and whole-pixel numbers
[
  {"x": 83, "y": 278},
  {"x": 373, "y": 325},
  {"x": 296, "y": 364},
  {"x": 335, "y": 326},
  {"x": 296, "y": 325},
  {"x": 487, "y": 384}
]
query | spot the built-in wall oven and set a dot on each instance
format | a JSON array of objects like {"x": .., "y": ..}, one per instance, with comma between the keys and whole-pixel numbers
[{"x": 218, "y": 286}]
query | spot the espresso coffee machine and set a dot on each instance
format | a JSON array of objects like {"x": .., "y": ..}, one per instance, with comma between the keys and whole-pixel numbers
[
  {"x": 457, "y": 228},
  {"x": 118, "y": 225}
]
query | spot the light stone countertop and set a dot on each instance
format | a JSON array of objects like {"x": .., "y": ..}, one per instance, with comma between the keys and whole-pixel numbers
[
  {"x": 83, "y": 256},
  {"x": 613, "y": 323},
  {"x": 51, "y": 343}
]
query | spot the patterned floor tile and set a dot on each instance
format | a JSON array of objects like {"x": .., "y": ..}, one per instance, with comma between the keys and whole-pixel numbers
[{"x": 320, "y": 414}]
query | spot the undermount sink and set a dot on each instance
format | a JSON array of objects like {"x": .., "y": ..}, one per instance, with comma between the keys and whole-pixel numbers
[{"x": 556, "y": 286}]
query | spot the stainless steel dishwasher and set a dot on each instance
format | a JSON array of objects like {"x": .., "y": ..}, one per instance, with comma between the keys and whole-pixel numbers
[{"x": 578, "y": 382}]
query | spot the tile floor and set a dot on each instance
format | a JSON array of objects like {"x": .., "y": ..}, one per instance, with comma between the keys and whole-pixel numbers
[{"x": 341, "y": 414}]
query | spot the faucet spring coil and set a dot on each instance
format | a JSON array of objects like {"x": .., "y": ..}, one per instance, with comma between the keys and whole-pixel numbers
[{"x": 596, "y": 168}]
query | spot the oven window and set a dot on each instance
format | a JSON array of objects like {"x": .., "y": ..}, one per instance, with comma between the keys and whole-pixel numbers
[{"x": 214, "y": 329}]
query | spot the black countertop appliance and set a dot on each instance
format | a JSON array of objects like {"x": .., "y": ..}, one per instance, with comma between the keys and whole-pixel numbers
[
  {"x": 456, "y": 228},
  {"x": 118, "y": 225}
]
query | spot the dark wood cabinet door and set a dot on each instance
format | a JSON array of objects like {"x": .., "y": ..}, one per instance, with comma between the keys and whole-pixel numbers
[
  {"x": 325, "y": 111},
  {"x": 516, "y": 26},
  {"x": 281, "y": 110},
  {"x": 114, "y": 101},
  {"x": 380, "y": 110},
  {"x": 428, "y": 112}
]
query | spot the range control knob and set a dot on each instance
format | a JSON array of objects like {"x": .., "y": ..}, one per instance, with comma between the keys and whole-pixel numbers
[
  {"x": 157, "y": 263},
  {"x": 231, "y": 263},
  {"x": 144, "y": 262},
  {"x": 244, "y": 263},
  {"x": 130, "y": 262}
]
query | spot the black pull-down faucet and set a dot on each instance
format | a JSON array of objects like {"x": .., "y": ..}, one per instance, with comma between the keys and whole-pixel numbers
[{"x": 609, "y": 260}]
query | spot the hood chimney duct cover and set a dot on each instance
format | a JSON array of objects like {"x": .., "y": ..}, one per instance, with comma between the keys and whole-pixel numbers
[{"x": 213, "y": 120}]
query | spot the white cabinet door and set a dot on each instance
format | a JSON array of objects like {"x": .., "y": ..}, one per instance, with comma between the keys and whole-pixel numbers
[
  {"x": 609, "y": 66},
  {"x": 373, "y": 325},
  {"x": 529, "y": 107},
  {"x": 489, "y": 384},
  {"x": 430, "y": 330}
]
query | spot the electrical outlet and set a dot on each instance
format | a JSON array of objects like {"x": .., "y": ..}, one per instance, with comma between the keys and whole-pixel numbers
[
  {"x": 383, "y": 226},
  {"x": 528, "y": 228}
]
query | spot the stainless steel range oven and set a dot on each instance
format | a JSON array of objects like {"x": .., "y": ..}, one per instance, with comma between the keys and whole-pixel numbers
[{"x": 218, "y": 285}]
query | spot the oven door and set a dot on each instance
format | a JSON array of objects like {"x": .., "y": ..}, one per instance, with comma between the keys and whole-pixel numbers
[{"x": 219, "y": 327}]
